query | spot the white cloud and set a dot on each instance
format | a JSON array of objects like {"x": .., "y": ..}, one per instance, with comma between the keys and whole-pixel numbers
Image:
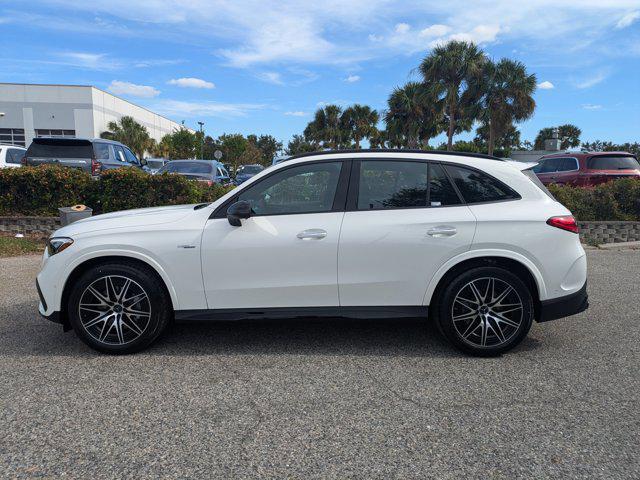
[
  {"x": 178, "y": 108},
  {"x": 342, "y": 32},
  {"x": 131, "y": 89},
  {"x": 352, "y": 78},
  {"x": 628, "y": 19},
  {"x": 296, "y": 113},
  {"x": 592, "y": 80},
  {"x": 546, "y": 85},
  {"x": 402, "y": 28},
  {"x": 190, "y": 82},
  {"x": 271, "y": 77},
  {"x": 435, "y": 31},
  {"x": 90, "y": 61},
  {"x": 591, "y": 106}
]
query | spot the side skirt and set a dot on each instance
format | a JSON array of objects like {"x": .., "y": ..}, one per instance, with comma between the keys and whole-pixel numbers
[{"x": 301, "y": 312}]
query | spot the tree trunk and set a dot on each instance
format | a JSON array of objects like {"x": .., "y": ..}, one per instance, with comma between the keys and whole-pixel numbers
[
  {"x": 491, "y": 137},
  {"x": 357, "y": 142},
  {"x": 452, "y": 124}
]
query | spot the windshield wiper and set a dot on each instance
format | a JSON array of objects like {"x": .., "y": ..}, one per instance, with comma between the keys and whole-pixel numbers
[{"x": 201, "y": 205}]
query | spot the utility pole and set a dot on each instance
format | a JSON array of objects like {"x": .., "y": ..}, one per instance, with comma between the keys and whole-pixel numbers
[{"x": 201, "y": 140}]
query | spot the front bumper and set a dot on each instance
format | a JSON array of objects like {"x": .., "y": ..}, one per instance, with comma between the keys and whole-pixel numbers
[
  {"x": 564, "y": 306},
  {"x": 42, "y": 308}
]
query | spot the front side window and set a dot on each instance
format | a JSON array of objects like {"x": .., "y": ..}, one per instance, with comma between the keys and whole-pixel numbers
[
  {"x": 131, "y": 158},
  {"x": 549, "y": 165},
  {"x": 477, "y": 187},
  {"x": 302, "y": 189}
]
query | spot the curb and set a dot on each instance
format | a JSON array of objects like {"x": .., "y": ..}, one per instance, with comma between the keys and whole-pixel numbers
[{"x": 619, "y": 246}]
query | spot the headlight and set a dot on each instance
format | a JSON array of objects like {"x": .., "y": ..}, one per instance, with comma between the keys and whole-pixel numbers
[{"x": 58, "y": 244}]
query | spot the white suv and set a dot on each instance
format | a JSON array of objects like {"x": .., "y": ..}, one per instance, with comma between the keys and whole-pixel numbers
[
  {"x": 11, "y": 156},
  {"x": 474, "y": 241}
]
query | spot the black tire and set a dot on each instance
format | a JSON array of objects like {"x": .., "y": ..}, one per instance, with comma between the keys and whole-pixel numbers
[
  {"x": 128, "y": 332},
  {"x": 500, "y": 336}
]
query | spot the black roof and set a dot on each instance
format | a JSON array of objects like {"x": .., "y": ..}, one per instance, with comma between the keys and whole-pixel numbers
[{"x": 397, "y": 150}]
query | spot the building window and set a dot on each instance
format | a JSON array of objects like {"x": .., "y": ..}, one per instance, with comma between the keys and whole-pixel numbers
[
  {"x": 55, "y": 133},
  {"x": 12, "y": 136}
]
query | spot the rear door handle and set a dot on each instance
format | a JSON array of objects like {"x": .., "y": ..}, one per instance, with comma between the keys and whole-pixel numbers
[
  {"x": 312, "y": 234},
  {"x": 442, "y": 231}
]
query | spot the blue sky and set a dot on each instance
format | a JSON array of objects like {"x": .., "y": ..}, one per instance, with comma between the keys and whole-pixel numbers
[{"x": 264, "y": 66}]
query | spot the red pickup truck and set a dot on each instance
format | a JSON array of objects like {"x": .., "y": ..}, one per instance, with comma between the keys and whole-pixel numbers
[{"x": 586, "y": 168}]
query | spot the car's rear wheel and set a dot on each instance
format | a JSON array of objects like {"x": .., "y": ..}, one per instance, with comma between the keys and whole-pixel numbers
[
  {"x": 118, "y": 308},
  {"x": 485, "y": 311}
]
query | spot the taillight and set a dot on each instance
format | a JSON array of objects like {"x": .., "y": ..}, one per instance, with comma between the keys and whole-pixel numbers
[
  {"x": 96, "y": 166},
  {"x": 23, "y": 161},
  {"x": 565, "y": 222}
]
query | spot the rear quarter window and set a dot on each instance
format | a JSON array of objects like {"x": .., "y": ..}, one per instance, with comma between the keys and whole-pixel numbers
[
  {"x": 613, "y": 162},
  {"x": 478, "y": 187}
]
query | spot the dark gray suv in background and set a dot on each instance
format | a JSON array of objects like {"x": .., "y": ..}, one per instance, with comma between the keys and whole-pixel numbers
[{"x": 91, "y": 155}]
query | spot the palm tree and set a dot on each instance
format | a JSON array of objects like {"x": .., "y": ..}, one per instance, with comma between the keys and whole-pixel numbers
[
  {"x": 359, "y": 122},
  {"x": 449, "y": 70},
  {"x": 131, "y": 133},
  {"x": 413, "y": 115},
  {"x": 326, "y": 128},
  {"x": 506, "y": 91}
]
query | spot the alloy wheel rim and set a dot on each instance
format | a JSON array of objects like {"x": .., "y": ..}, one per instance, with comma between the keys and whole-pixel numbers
[
  {"x": 487, "y": 312},
  {"x": 114, "y": 310}
]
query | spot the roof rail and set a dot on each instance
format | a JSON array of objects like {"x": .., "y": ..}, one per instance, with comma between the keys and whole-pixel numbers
[{"x": 396, "y": 150}]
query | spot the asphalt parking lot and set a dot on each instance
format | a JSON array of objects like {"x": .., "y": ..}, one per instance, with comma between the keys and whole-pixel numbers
[{"x": 325, "y": 399}]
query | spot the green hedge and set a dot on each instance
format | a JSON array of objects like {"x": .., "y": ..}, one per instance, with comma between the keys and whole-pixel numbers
[
  {"x": 41, "y": 190},
  {"x": 615, "y": 200}
]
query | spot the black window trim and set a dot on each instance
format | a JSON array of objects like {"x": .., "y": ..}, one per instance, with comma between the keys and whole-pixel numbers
[
  {"x": 354, "y": 184},
  {"x": 339, "y": 198}
]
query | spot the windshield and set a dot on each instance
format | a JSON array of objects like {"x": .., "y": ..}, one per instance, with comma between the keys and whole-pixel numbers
[
  {"x": 182, "y": 166},
  {"x": 155, "y": 163},
  {"x": 250, "y": 169},
  {"x": 613, "y": 162}
]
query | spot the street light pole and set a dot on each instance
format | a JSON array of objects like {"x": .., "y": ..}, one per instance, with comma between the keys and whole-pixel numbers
[{"x": 201, "y": 140}]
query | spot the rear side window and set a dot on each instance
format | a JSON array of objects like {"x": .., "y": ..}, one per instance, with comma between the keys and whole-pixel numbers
[
  {"x": 14, "y": 155},
  {"x": 101, "y": 150},
  {"x": 613, "y": 162},
  {"x": 60, "y": 149},
  {"x": 392, "y": 184},
  {"x": 395, "y": 184},
  {"x": 477, "y": 187}
]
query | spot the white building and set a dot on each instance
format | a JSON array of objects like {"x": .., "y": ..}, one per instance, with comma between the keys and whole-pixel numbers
[{"x": 30, "y": 110}]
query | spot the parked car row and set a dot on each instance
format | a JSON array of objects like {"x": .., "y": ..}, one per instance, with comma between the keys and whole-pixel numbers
[{"x": 98, "y": 155}]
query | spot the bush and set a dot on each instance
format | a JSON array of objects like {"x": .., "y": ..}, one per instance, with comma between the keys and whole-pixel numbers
[
  {"x": 41, "y": 190},
  {"x": 615, "y": 200}
]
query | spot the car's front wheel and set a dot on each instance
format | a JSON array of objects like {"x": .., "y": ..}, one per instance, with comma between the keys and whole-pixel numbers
[
  {"x": 118, "y": 307},
  {"x": 485, "y": 311}
]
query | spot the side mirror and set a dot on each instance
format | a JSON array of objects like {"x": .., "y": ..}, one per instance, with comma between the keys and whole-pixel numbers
[
  {"x": 143, "y": 162},
  {"x": 238, "y": 210}
]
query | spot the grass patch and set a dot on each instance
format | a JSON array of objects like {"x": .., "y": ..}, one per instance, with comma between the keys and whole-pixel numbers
[{"x": 11, "y": 246}]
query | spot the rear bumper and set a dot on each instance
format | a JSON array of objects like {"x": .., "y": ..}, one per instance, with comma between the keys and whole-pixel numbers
[{"x": 564, "y": 306}]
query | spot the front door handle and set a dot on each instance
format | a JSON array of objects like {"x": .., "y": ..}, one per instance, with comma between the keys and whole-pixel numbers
[
  {"x": 312, "y": 234},
  {"x": 442, "y": 231}
]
